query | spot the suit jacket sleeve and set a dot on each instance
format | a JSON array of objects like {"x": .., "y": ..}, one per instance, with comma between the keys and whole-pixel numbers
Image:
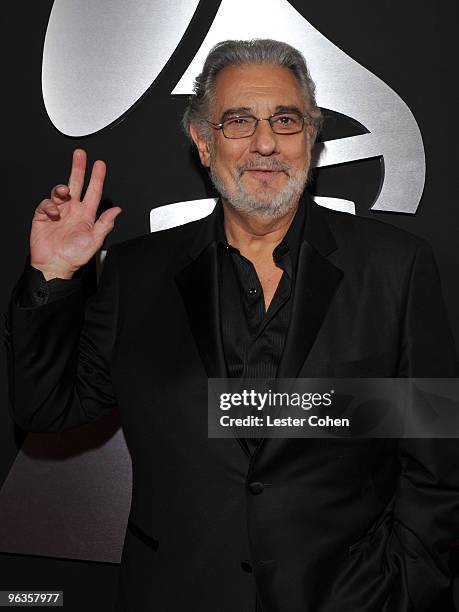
[
  {"x": 426, "y": 510},
  {"x": 59, "y": 354}
]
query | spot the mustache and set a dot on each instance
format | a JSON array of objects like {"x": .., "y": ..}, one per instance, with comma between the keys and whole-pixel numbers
[{"x": 264, "y": 164}]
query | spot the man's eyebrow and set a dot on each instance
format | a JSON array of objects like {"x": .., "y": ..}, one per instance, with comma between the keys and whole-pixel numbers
[
  {"x": 239, "y": 110},
  {"x": 288, "y": 109}
]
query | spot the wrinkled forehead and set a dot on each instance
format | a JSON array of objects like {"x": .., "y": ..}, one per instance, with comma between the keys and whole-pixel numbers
[{"x": 256, "y": 88}]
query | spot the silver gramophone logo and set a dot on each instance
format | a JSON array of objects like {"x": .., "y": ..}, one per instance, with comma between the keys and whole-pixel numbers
[{"x": 87, "y": 87}]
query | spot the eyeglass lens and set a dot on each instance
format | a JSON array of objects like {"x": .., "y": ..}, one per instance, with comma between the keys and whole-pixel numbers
[{"x": 245, "y": 125}]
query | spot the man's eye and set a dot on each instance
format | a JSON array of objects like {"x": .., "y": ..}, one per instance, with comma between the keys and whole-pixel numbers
[
  {"x": 238, "y": 121},
  {"x": 285, "y": 120}
]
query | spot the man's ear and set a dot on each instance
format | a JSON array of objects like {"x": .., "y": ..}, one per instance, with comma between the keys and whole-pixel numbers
[{"x": 201, "y": 144}]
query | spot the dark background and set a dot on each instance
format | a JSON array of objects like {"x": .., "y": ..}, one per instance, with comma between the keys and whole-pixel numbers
[{"x": 409, "y": 45}]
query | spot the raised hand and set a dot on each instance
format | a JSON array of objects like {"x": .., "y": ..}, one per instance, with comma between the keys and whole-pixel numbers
[{"x": 64, "y": 234}]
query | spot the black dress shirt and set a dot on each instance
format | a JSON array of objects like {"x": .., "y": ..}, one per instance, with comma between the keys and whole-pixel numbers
[{"x": 253, "y": 338}]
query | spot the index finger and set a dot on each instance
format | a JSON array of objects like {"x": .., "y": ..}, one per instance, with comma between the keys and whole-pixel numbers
[{"x": 76, "y": 179}]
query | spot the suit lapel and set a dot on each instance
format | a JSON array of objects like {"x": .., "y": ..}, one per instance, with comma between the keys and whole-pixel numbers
[
  {"x": 316, "y": 283},
  {"x": 317, "y": 280},
  {"x": 198, "y": 285}
]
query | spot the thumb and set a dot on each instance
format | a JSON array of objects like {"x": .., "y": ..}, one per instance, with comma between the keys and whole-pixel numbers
[{"x": 106, "y": 222}]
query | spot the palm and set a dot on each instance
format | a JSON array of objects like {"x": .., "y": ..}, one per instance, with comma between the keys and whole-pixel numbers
[
  {"x": 70, "y": 239},
  {"x": 68, "y": 235}
]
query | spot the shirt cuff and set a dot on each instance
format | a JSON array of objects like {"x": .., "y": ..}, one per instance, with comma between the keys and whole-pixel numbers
[{"x": 35, "y": 290}]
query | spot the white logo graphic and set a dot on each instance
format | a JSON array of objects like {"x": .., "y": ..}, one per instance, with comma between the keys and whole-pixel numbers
[
  {"x": 100, "y": 57},
  {"x": 98, "y": 62}
]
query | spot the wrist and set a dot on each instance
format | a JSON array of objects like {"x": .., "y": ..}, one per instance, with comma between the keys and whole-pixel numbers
[{"x": 50, "y": 272}]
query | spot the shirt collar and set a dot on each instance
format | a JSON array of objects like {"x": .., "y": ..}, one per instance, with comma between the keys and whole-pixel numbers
[
  {"x": 294, "y": 234},
  {"x": 289, "y": 244}
]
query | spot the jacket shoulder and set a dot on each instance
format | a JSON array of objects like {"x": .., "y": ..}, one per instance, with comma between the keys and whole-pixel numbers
[{"x": 372, "y": 236}]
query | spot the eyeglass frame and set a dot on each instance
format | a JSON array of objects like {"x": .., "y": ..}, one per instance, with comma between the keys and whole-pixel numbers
[{"x": 220, "y": 126}]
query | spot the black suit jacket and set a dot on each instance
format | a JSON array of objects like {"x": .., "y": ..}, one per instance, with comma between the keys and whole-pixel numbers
[{"x": 339, "y": 525}]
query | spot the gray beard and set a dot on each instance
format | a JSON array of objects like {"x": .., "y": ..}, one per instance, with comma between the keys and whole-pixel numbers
[{"x": 278, "y": 206}]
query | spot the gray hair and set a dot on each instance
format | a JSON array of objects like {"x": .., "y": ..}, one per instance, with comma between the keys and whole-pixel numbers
[{"x": 242, "y": 52}]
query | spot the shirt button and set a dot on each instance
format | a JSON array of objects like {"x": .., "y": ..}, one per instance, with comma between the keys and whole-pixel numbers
[
  {"x": 256, "y": 488},
  {"x": 40, "y": 293},
  {"x": 252, "y": 291}
]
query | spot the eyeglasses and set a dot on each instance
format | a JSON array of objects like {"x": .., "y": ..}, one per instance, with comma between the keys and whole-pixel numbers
[{"x": 243, "y": 126}]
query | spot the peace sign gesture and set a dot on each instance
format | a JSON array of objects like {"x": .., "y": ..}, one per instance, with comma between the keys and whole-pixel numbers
[{"x": 64, "y": 234}]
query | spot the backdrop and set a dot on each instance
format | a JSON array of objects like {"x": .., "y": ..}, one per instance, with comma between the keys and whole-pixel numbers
[{"x": 386, "y": 79}]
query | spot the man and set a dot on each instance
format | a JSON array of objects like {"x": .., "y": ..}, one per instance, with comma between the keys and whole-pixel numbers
[{"x": 268, "y": 285}]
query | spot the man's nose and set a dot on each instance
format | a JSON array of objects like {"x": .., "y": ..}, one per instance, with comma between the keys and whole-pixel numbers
[{"x": 263, "y": 140}]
